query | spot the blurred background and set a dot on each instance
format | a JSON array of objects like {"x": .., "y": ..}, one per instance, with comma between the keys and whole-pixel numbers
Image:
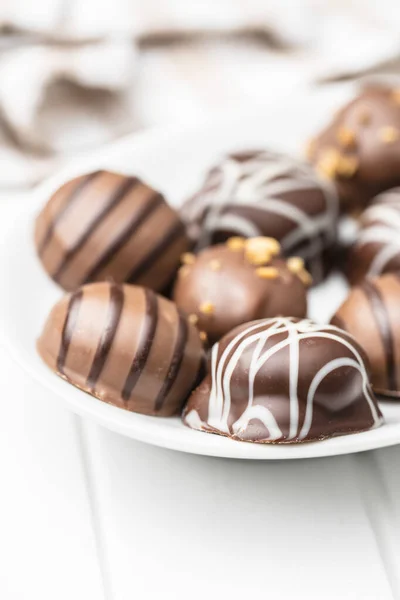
[{"x": 77, "y": 74}]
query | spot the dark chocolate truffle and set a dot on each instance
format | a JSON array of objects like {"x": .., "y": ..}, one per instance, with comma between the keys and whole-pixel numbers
[
  {"x": 124, "y": 345},
  {"x": 360, "y": 148},
  {"x": 262, "y": 193},
  {"x": 284, "y": 380},
  {"x": 240, "y": 281},
  {"x": 107, "y": 226},
  {"x": 377, "y": 248},
  {"x": 371, "y": 313}
]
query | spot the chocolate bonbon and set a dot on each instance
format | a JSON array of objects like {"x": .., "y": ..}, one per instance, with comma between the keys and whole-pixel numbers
[
  {"x": 377, "y": 248},
  {"x": 360, "y": 149},
  {"x": 372, "y": 314},
  {"x": 108, "y": 226},
  {"x": 124, "y": 345},
  {"x": 284, "y": 380},
  {"x": 262, "y": 193},
  {"x": 242, "y": 280}
]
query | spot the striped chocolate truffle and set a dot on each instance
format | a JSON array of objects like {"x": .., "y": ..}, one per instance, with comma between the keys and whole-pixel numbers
[
  {"x": 371, "y": 313},
  {"x": 125, "y": 345},
  {"x": 285, "y": 380},
  {"x": 262, "y": 193},
  {"x": 107, "y": 226},
  {"x": 377, "y": 247}
]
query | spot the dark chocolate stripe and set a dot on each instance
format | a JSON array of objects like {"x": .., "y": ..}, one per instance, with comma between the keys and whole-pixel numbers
[
  {"x": 150, "y": 258},
  {"x": 176, "y": 362},
  {"x": 145, "y": 342},
  {"x": 119, "y": 194},
  {"x": 68, "y": 329},
  {"x": 382, "y": 318},
  {"x": 113, "y": 318},
  {"x": 68, "y": 202},
  {"x": 137, "y": 219}
]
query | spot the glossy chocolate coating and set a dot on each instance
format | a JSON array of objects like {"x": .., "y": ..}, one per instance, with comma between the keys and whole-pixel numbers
[
  {"x": 107, "y": 226},
  {"x": 360, "y": 148},
  {"x": 224, "y": 288},
  {"x": 377, "y": 248},
  {"x": 371, "y": 313},
  {"x": 284, "y": 380},
  {"x": 125, "y": 345},
  {"x": 260, "y": 193}
]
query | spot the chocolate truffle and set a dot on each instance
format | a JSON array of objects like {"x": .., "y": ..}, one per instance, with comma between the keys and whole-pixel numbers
[
  {"x": 240, "y": 281},
  {"x": 360, "y": 148},
  {"x": 107, "y": 226},
  {"x": 377, "y": 248},
  {"x": 371, "y": 313},
  {"x": 284, "y": 380},
  {"x": 125, "y": 345},
  {"x": 261, "y": 193}
]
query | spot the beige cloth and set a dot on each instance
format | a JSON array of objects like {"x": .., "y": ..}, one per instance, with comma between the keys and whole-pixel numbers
[{"x": 75, "y": 74}]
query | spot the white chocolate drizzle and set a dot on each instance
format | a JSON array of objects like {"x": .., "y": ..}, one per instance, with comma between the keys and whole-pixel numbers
[
  {"x": 381, "y": 226},
  {"x": 257, "y": 336},
  {"x": 261, "y": 183}
]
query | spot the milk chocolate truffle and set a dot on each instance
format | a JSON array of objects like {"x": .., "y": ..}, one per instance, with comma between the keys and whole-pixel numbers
[
  {"x": 261, "y": 193},
  {"x": 107, "y": 226},
  {"x": 372, "y": 314},
  {"x": 360, "y": 149},
  {"x": 125, "y": 345},
  {"x": 284, "y": 380},
  {"x": 377, "y": 248},
  {"x": 240, "y": 281}
]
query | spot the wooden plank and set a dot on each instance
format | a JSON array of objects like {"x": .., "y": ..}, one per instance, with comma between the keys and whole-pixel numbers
[
  {"x": 47, "y": 543},
  {"x": 189, "y": 526},
  {"x": 379, "y": 473}
]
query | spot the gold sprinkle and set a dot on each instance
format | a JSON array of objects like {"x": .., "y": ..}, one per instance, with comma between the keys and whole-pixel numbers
[
  {"x": 310, "y": 148},
  {"x": 295, "y": 264},
  {"x": 364, "y": 117},
  {"x": 347, "y": 166},
  {"x": 193, "y": 319},
  {"x": 389, "y": 134},
  {"x": 396, "y": 96},
  {"x": 305, "y": 277},
  {"x": 346, "y": 137},
  {"x": 215, "y": 264},
  {"x": 203, "y": 336},
  {"x": 327, "y": 165},
  {"x": 267, "y": 272},
  {"x": 235, "y": 243},
  {"x": 207, "y": 308},
  {"x": 184, "y": 271},
  {"x": 260, "y": 250},
  {"x": 188, "y": 258}
]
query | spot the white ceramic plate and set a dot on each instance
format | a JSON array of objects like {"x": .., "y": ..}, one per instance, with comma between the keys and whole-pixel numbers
[{"x": 172, "y": 160}]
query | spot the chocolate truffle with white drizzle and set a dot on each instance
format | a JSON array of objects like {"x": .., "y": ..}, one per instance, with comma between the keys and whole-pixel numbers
[
  {"x": 261, "y": 193},
  {"x": 377, "y": 248},
  {"x": 285, "y": 380}
]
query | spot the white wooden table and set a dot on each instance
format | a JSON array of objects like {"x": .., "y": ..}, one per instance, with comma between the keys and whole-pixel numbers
[{"x": 86, "y": 514}]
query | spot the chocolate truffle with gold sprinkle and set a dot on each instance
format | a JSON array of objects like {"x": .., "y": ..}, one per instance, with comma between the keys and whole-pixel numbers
[
  {"x": 360, "y": 149},
  {"x": 239, "y": 281}
]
